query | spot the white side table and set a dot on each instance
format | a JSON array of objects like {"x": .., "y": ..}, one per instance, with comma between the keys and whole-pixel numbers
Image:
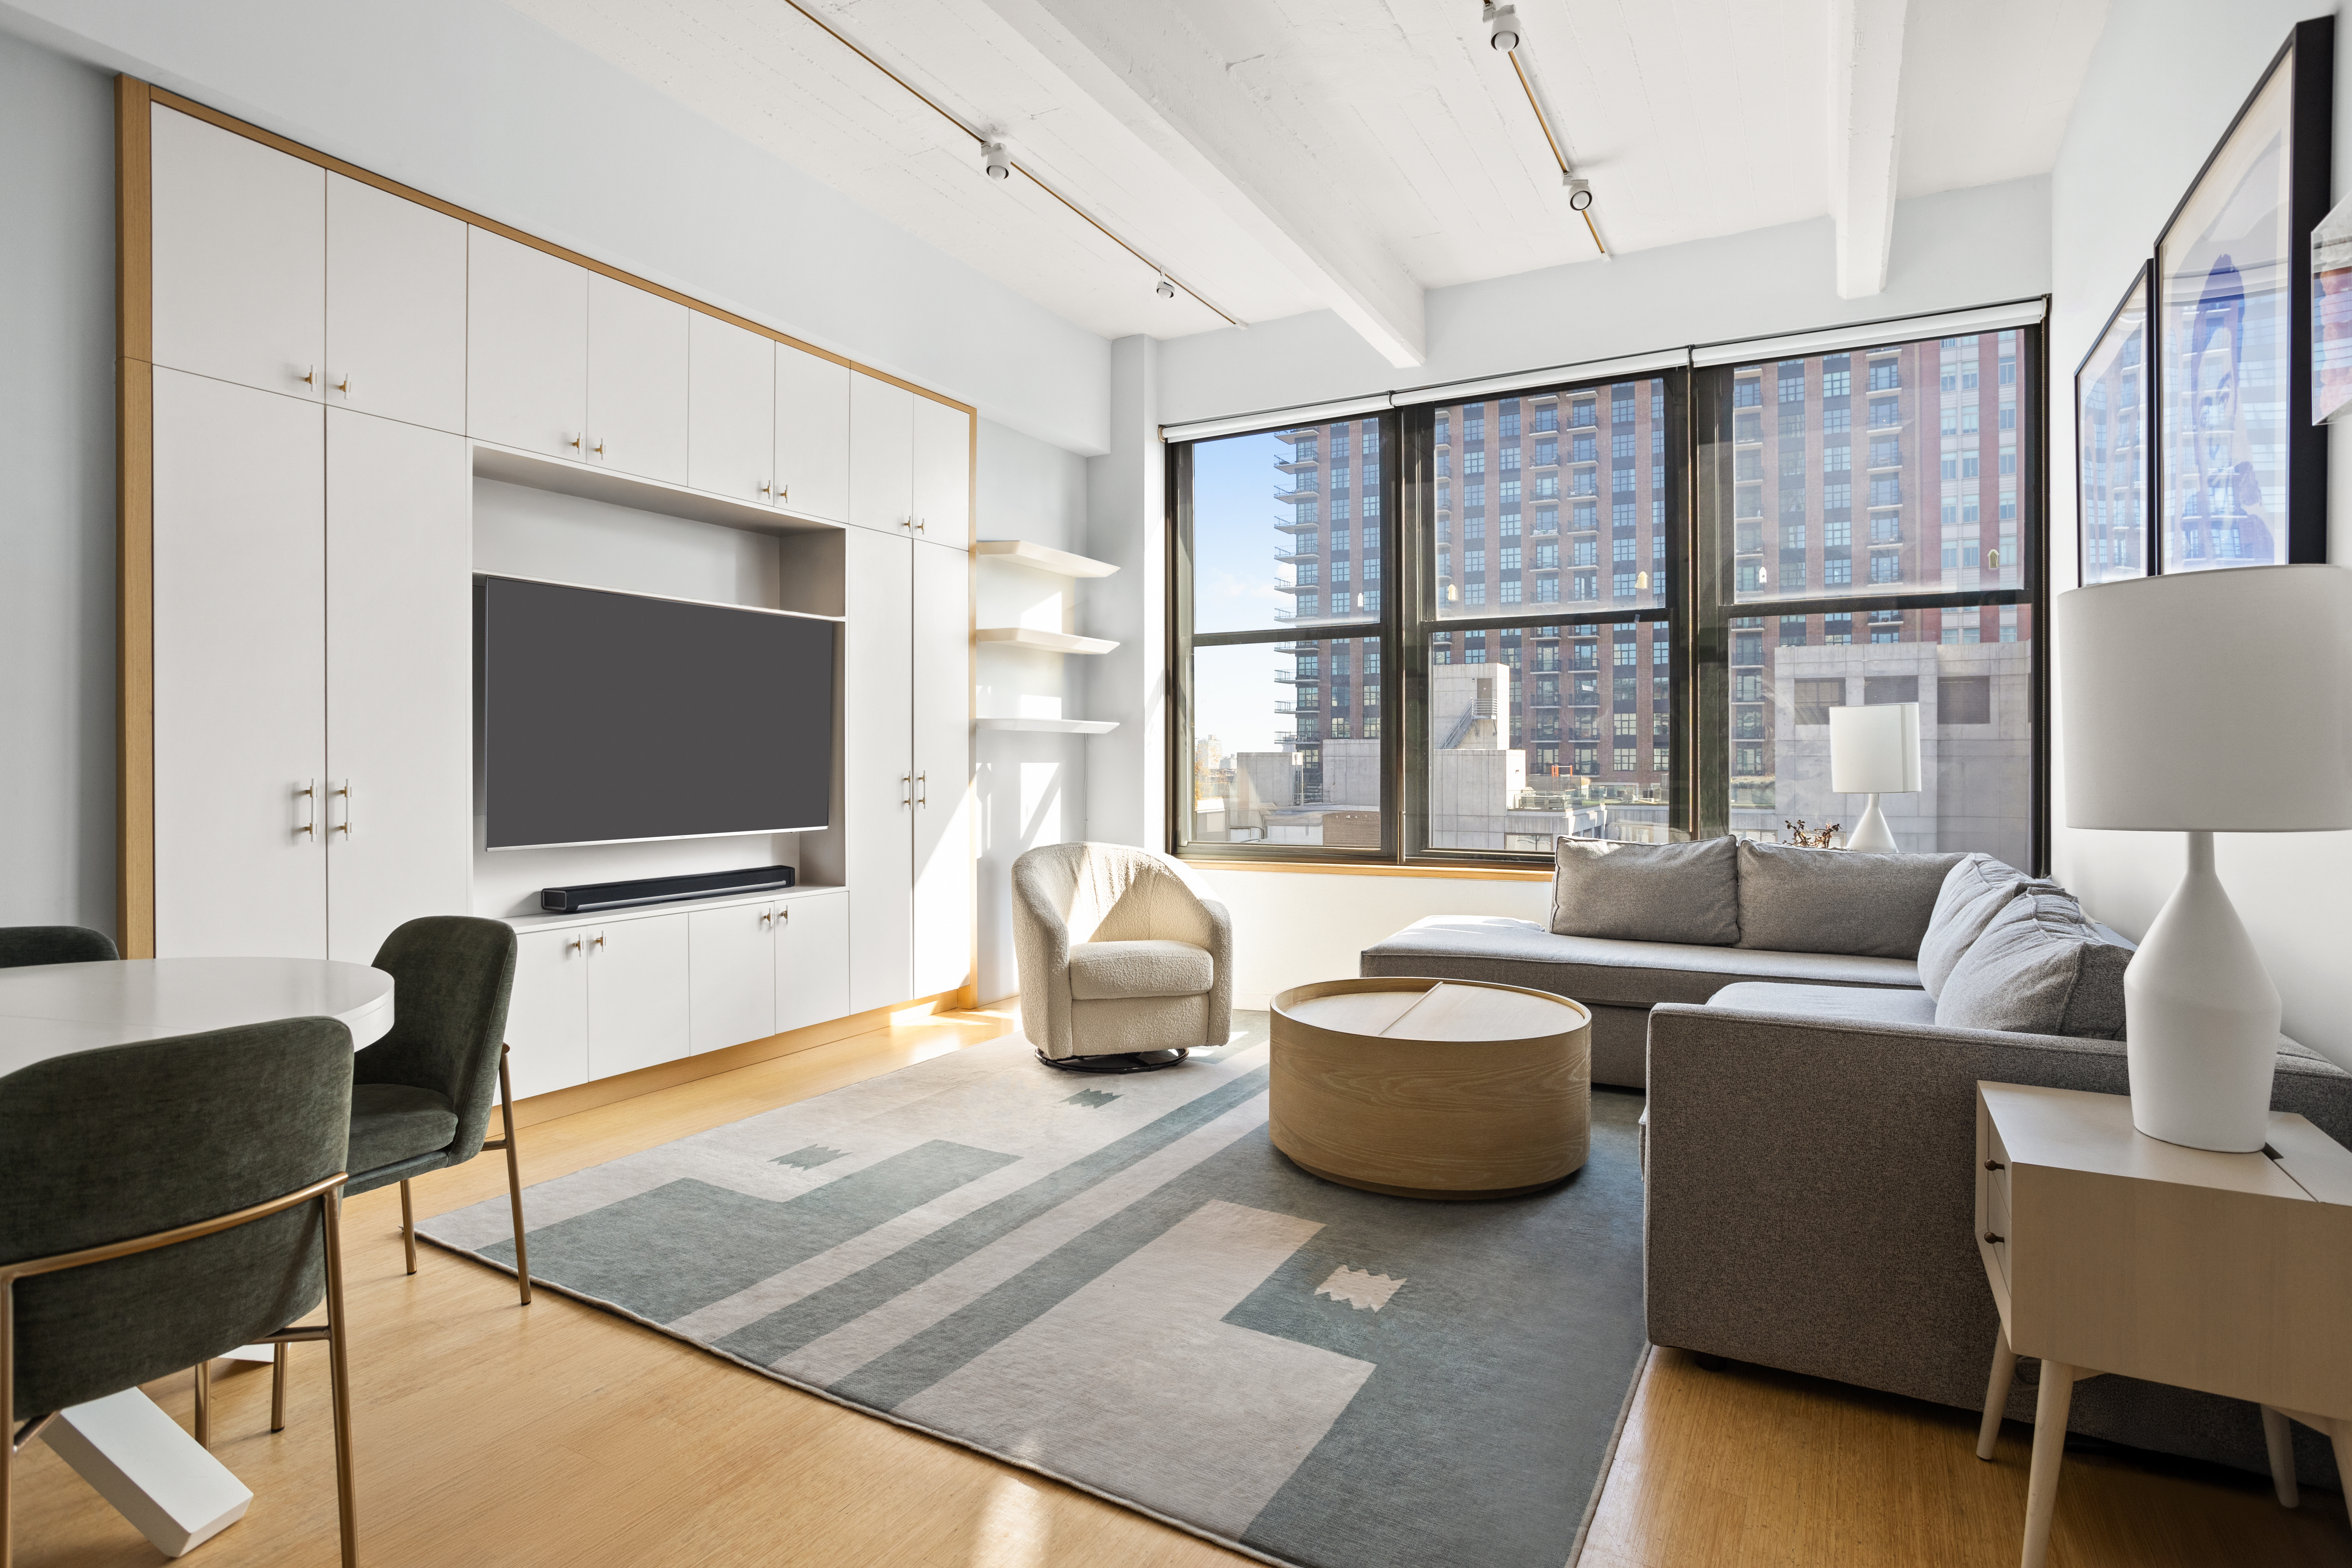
[
  {"x": 135, "y": 1457},
  {"x": 2111, "y": 1251}
]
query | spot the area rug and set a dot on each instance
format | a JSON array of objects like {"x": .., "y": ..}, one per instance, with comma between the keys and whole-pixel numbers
[{"x": 1119, "y": 1283}]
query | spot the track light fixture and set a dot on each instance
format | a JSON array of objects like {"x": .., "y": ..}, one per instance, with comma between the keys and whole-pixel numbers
[
  {"x": 1580, "y": 191},
  {"x": 1502, "y": 26},
  {"x": 1000, "y": 161},
  {"x": 1164, "y": 289}
]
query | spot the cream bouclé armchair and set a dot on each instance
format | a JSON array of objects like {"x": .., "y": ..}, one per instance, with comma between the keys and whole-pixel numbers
[{"x": 1123, "y": 955}]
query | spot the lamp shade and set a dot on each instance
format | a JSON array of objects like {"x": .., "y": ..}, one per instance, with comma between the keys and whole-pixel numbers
[
  {"x": 1874, "y": 750},
  {"x": 2217, "y": 701}
]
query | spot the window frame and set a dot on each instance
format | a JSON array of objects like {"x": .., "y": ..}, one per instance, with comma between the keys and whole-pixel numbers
[{"x": 1699, "y": 402}]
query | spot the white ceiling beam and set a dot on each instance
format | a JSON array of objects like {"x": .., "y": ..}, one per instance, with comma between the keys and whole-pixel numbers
[
  {"x": 1180, "y": 95},
  {"x": 1865, "y": 121}
]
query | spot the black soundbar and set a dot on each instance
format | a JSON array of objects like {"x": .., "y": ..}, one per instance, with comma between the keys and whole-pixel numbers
[{"x": 591, "y": 897}]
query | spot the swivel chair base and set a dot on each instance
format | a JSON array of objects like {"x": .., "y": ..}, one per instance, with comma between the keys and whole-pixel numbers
[{"x": 1120, "y": 1062}]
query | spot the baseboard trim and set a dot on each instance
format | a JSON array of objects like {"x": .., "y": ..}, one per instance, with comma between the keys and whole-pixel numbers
[{"x": 600, "y": 1092}]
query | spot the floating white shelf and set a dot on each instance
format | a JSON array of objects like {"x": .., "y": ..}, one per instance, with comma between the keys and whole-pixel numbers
[
  {"x": 1055, "y": 641},
  {"x": 1050, "y": 726},
  {"x": 1043, "y": 557}
]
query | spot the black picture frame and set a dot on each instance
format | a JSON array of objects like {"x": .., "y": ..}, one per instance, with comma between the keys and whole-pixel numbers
[
  {"x": 2210, "y": 506},
  {"x": 2114, "y": 536}
]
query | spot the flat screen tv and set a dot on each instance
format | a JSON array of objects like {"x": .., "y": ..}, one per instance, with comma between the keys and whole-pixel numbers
[{"x": 609, "y": 718}]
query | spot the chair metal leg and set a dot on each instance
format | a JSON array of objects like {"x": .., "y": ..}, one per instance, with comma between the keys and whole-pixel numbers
[
  {"x": 407, "y": 1225},
  {"x": 277, "y": 1387},
  {"x": 204, "y": 1404},
  {"x": 339, "y": 1366},
  {"x": 514, "y": 1177}
]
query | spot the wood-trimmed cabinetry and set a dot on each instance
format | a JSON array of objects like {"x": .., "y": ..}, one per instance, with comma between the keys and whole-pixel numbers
[{"x": 305, "y": 318}]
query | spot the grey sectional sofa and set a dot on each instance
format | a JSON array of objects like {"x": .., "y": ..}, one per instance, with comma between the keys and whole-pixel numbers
[{"x": 1811, "y": 1131}]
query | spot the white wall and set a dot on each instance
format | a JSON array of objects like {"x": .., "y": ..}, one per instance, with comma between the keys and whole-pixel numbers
[
  {"x": 1032, "y": 788},
  {"x": 1951, "y": 249},
  {"x": 471, "y": 101},
  {"x": 1126, "y": 782},
  {"x": 57, "y": 490},
  {"x": 2161, "y": 89}
]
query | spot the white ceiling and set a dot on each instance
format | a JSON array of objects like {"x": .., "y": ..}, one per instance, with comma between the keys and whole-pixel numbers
[{"x": 1281, "y": 156}]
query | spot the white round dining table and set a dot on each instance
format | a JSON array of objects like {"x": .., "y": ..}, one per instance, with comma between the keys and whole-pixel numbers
[
  {"x": 136, "y": 1456},
  {"x": 49, "y": 1009}
]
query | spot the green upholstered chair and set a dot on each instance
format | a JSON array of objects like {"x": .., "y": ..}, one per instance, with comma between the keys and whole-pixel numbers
[
  {"x": 23, "y": 945},
  {"x": 421, "y": 1095},
  {"x": 163, "y": 1203}
]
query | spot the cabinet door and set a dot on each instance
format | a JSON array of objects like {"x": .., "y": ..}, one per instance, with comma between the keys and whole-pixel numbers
[
  {"x": 240, "y": 672},
  {"x": 881, "y": 454},
  {"x": 547, "y": 1016},
  {"x": 811, "y": 435},
  {"x": 733, "y": 961},
  {"x": 637, "y": 380},
  {"x": 398, "y": 814},
  {"x": 811, "y": 960},
  {"x": 637, "y": 994},
  {"x": 730, "y": 438},
  {"x": 240, "y": 291},
  {"x": 943, "y": 736},
  {"x": 396, "y": 307},
  {"x": 877, "y": 782},
  {"x": 942, "y": 501},
  {"x": 526, "y": 347}
]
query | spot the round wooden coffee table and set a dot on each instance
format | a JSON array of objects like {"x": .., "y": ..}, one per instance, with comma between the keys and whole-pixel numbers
[{"x": 1431, "y": 1088}]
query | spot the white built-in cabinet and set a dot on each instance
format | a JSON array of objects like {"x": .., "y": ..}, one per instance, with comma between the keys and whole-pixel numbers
[
  {"x": 731, "y": 447},
  {"x": 330, "y": 354},
  {"x": 634, "y": 988},
  {"x": 237, "y": 233},
  {"x": 395, "y": 307},
  {"x": 312, "y": 674},
  {"x": 906, "y": 725},
  {"x": 940, "y": 748},
  {"x": 813, "y": 421},
  {"x": 527, "y": 347},
  {"x": 637, "y": 380}
]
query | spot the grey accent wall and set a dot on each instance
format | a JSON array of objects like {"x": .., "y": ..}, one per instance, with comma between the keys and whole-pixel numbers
[{"x": 57, "y": 489}]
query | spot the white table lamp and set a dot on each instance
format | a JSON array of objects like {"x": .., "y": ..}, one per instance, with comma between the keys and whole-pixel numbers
[
  {"x": 1875, "y": 751},
  {"x": 2159, "y": 678}
]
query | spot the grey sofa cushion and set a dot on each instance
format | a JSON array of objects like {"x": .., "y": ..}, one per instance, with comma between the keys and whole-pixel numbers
[
  {"x": 1101, "y": 970},
  {"x": 1835, "y": 901},
  {"x": 1973, "y": 892},
  {"x": 2039, "y": 968},
  {"x": 1847, "y": 1004},
  {"x": 1605, "y": 972},
  {"x": 1646, "y": 893}
]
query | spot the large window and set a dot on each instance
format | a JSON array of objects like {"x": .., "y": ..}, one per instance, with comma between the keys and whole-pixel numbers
[
  {"x": 1618, "y": 609},
  {"x": 1876, "y": 510}
]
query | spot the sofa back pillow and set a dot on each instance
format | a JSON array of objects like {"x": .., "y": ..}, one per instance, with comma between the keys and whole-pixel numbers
[
  {"x": 2039, "y": 967},
  {"x": 1646, "y": 893},
  {"x": 1837, "y": 901},
  {"x": 1973, "y": 892}
]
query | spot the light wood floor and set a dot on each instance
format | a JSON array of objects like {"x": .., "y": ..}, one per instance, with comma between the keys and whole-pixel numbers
[{"x": 491, "y": 1434}]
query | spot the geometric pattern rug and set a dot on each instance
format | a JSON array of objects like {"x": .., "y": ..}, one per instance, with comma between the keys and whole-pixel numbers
[{"x": 1118, "y": 1282}]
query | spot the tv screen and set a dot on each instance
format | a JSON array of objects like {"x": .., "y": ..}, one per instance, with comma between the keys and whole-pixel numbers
[{"x": 608, "y": 717}]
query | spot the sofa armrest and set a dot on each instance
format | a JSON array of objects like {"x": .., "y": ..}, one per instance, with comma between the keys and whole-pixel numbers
[{"x": 1811, "y": 1195}]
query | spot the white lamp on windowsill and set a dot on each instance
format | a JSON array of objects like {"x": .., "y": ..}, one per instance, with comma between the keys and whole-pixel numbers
[
  {"x": 1875, "y": 751},
  {"x": 2158, "y": 674}
]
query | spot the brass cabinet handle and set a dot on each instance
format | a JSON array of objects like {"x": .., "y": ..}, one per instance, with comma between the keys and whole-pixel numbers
[
  {"x": 599, "y": 447},
  {"x": 574, "y": 442},
  {"x": 344, "y": 827},
  {"x": 345, "y": 386},
  {"x": 572, "y": 946},
  {"x": 1996, "y": 1240},
  {"x": 311, "y": 375},
  {"x": 597, "y": 940},
  {"x": 310, "y": 792},
  {"x": 763, "y": 487},
  {"x": 907, "y": 785}
]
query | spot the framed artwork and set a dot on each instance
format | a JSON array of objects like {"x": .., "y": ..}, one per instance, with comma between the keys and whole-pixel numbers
[
  {"x": 2241, "y": 471},
  {"x": 2112, "y": 449},
  {"x": 2331, "y": 315}
]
